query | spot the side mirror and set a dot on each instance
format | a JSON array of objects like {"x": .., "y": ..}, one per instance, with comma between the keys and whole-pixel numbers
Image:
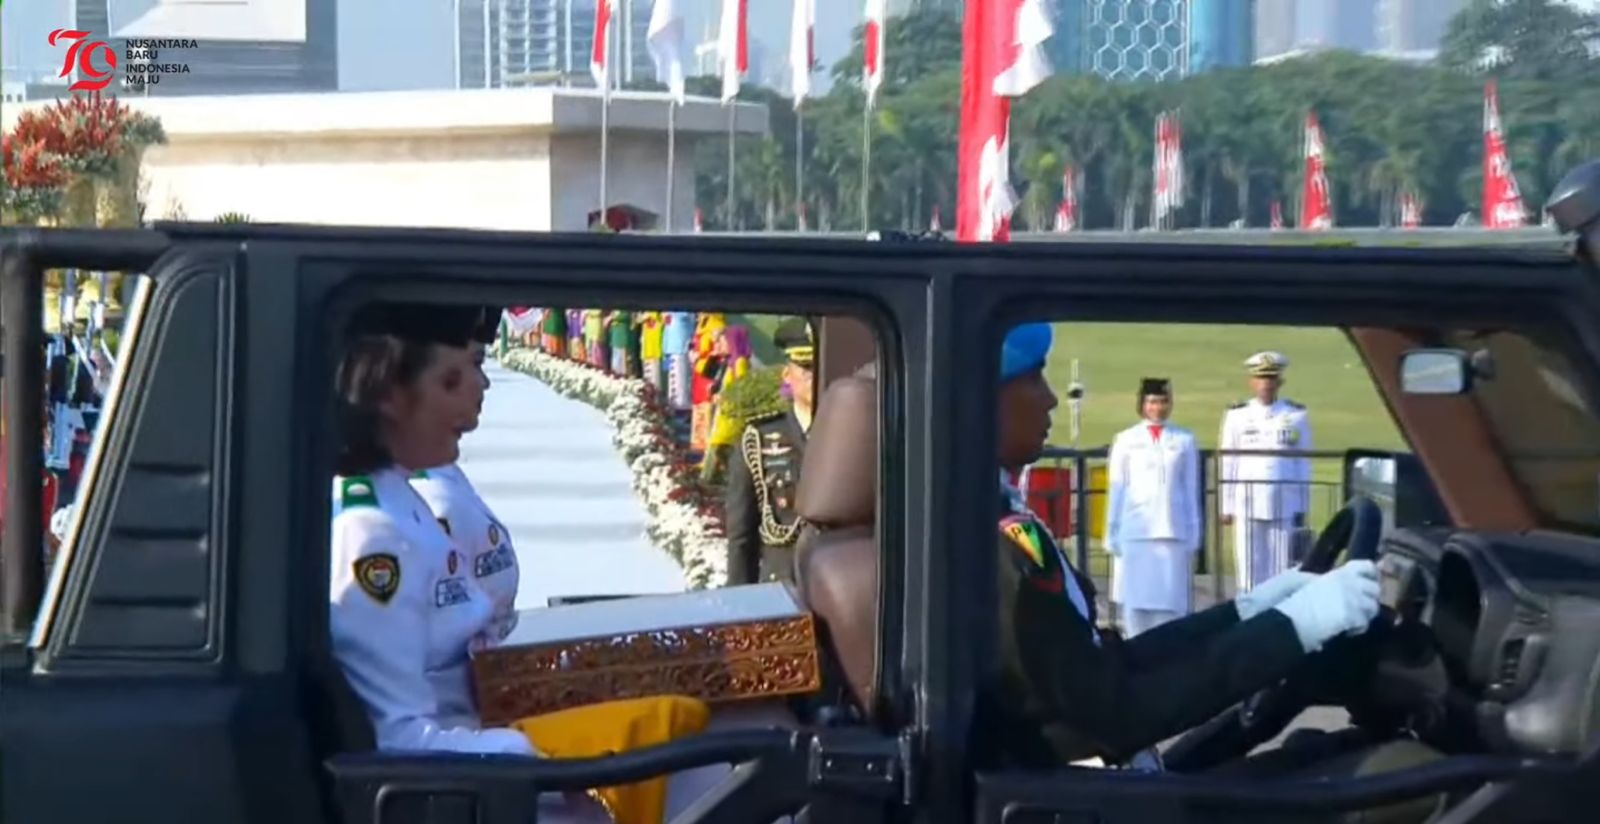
[
  {"x": 1436, "y": 372},
  {"x": 1574, "y": 204}
]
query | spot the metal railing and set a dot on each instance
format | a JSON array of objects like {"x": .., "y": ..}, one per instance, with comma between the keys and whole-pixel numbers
[{"x": 1076, "y": 496}]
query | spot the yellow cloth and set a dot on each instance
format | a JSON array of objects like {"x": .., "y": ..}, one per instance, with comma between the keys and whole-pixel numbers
[
  {"x": 614, "y": 727},
  {"x": 650, "y": 337}
]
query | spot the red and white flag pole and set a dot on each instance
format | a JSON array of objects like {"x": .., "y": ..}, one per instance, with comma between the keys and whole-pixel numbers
[
  {"x": 871, "y": 79},
  {"x": 1502, "y": 198},
  {"x": 1316, "y": 206},
  {"x": 600, "y": 69},
  {"x": 1002, "y": 57}
]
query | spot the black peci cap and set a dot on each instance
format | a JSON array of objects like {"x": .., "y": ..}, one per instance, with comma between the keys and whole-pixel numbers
[
  {"x": 1155, "y": 386},
  {"x": 445, "y": 324}
]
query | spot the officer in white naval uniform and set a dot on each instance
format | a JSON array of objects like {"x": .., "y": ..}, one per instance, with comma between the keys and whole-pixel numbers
[
  {"x": 1265, "y": 497},
  {"x": 1153, "y": 513},
  {"x": 473, "y": 529}
]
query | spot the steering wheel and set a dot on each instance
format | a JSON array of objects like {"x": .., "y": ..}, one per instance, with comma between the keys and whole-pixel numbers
[{"x": 1355, "y": 531}]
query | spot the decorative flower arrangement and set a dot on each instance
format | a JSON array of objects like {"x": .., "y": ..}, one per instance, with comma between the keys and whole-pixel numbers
[
  {"x": 681, "y": 522},
  {"x": 77, "y": 160}
]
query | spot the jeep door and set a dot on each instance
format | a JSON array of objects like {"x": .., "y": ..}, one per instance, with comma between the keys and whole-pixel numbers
[{"x": 1364, "y": 290}]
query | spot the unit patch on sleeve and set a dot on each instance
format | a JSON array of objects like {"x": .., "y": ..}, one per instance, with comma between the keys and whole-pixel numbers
[
  {"x": 378, "y": 575},
  {"x": 1026, "y": 534}
]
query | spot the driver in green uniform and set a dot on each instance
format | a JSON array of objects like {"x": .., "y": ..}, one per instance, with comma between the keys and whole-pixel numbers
[{"x": 1068, "y": 691}]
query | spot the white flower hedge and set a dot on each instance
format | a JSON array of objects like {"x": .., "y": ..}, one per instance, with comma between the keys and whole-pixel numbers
[{"x": 679, "y": 523}]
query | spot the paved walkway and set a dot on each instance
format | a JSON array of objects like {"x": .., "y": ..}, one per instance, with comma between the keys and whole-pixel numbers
[{"x": 546, "y": 466}]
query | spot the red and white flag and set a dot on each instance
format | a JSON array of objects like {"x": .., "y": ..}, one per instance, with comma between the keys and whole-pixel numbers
[
  {"x": 1316, "y": 205},
  {"x": 1167, "y": 196},
  {"x": 664, "y": 39},
  {"x": 802, "y": 49},
  {"x": 872, "y": 48},
  {"x": 699, "y": 221},
  {"x": 733, "y": 46},
  {"x": 934, "y": 223},
  {"x": 1067, "y": 211},
  {"x": 600, "y": 55},
  {"x": 1275, "y": 221},
  {"x": 1410, "y": 211},
  {"x": 1502, "y": 199},
  {"x": 800, "y": 217},
  {"x": 1002, "y": 56}
]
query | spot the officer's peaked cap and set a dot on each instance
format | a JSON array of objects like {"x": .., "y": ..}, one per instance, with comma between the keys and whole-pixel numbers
[
  {"x": 1266, "y": 364},
  {"x": 797, "y": 338},
  {"x": 1025, "y": 349}
]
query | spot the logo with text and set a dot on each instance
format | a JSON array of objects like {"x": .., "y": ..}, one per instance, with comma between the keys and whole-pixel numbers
[{"x": 96, "y": 60}]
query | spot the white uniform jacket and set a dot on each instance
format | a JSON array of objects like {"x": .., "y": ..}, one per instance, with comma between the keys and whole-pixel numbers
[
  {"x": 1154, "y": 492},
  {"x": 476, "y": 534},
  {"x": 404, "y": 609},
  {"x": 1264, "y": 487}
]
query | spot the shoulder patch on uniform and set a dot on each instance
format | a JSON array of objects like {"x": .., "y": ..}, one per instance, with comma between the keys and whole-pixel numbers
[
  {"x": 1027, "y": 535},
  {"x": 357, "y": 491},
  {"x": 378, "y": 575}
]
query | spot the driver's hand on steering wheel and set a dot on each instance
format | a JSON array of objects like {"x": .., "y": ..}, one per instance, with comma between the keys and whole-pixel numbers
[
  {"x": 1344, "y": 601},
  {"x": 1253, "y": 602}
]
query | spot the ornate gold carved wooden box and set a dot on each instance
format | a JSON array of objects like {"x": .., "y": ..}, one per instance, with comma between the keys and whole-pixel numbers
[{"x": 732, "y": 644}]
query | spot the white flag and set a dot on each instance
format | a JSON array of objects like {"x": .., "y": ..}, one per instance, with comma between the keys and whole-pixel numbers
[
  {"x": 665, "y": 41},
  {"x": 733, "y": 49},
  {"x": 802, "y": 49}
]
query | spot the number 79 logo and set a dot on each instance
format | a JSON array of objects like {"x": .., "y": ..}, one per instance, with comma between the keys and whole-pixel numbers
[{"x": 81, "y": 55}]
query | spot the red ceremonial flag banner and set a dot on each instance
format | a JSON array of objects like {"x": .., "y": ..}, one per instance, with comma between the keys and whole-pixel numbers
[
  {"x": 1502, "y": 199},
  {"x": 1002, "y": 56},
  {"x": 1316, "y": 207}
]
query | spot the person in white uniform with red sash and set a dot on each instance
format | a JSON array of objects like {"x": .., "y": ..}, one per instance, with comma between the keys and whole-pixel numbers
[{"x": 1153, "y": 525}]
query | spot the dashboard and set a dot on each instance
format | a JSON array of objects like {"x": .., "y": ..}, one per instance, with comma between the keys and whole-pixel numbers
[{"x": 1515, "y": 622}]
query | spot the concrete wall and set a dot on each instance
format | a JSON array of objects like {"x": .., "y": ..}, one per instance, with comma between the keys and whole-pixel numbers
[{"x": 466, "y": 181}]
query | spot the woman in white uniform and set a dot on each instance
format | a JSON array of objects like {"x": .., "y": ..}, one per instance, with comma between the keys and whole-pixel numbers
[
  {"x": 1153, "y": 513},
  {"x": 477, "y": 534},
  {"x": 404, "y": 605}
]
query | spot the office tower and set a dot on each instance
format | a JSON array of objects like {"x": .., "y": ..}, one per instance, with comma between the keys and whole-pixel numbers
[
  {"x": 1276, "y": 24},
  {"x": 1221, "y": 34},
  {"x": 1413, "y": 25},
  {"x": 1137, "y": 39},
  {"x": 226, "y": 59},
  {"x": 522, "y": 42}
]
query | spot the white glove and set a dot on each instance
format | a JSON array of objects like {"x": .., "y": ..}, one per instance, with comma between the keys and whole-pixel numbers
[
  {"x": 1270, "y": 594},
  {"x": 1342, "y": 601}
]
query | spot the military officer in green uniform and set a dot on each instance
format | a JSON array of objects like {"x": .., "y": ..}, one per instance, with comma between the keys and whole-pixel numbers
[
  {"x": 1068, "y": 691},
  {"x": 765, "y": 469}
]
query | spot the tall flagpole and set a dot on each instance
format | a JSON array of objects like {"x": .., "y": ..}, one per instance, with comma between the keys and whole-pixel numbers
[
  {"x": 799, "y": 164},
  {"x": 672, "y": 147},
  {"x": 733, "y": 107},
  {"x": 866, "y": 166},
  {"x": 605, "y": 119}
]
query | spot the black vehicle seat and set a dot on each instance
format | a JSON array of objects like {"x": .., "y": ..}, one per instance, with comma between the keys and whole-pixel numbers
[
  {"x": 837, "y": 562},
  {"x": 339, "y": 719}
]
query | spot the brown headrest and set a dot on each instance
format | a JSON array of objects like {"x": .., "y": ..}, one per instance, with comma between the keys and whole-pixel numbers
[{"x": 839, "y": 478}]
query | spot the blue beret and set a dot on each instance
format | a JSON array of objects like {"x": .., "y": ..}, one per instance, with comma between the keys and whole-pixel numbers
[{"x": 1024, "y": 350}]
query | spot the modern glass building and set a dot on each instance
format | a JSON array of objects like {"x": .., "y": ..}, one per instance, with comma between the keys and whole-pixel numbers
[{"x": 1221, "y": 34}]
